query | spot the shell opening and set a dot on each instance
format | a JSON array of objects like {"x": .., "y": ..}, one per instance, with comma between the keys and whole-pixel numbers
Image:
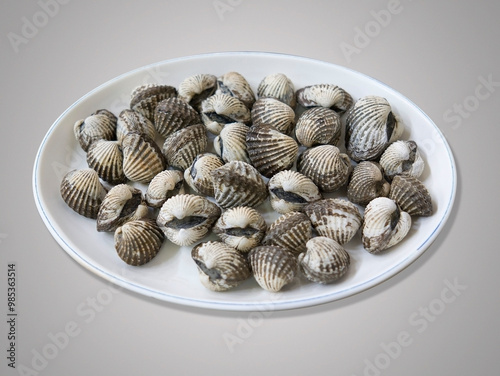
[
  {"x": 239, "y": 231},
  {"x": 212, "y": 273},
  {"x": 288, "y": 196},
  {"x": 186, "y": 222}
]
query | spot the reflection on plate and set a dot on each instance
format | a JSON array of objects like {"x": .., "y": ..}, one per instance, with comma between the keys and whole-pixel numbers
[{"x": 172, "y": 275}]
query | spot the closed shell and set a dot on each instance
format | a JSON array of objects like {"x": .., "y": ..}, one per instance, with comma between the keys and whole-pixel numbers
[
  {"x": 107, "y": 113},
  {"x": 172, "y": 114},
  {"x": 106, "y": 158},
  {"x": 133, "y": 121},
  {"x": 195, "y": 89},
  {"x": 273, "y": 112},
  {"x": 402, "y": 158},
  {"x": 198, "y": 175},
  {"x": 221, "y": 109},
  {"x": 164, "y": 185},
  {"x": 278, "y": 86},
  {"x": 366, "y": 183},
  {"x": 411, "y": 195},
  {"x": 318, "y": 126},
  {"x": 231, "y": 144},
  {"x": 142, "y": 158},
  {"x": 145, "y": 98},
  {"x": 235, "y": 85},
  {"x": 291, "y": 231},
  {"x": 272, "y": 267},
  {"x": 93, "y": 128},
  {"x": 325, "y": 95},
  {"x": 181, "y": 147}
]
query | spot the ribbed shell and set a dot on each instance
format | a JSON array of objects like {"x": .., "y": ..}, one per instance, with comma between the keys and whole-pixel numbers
[
  {"x": 335, "y": 218},
  {"x": 186, "y": 219},
  {"x": 195, "y": 89},
  {"x": 106, "y": 158},
  {"x": 231, "y": 143},
  {"x": 325, "y": 260},
  {"x": 272, "y": 267},
  {"x": 273, "y": 112},
  {"x": 133, "y": 121},
  {"x": 291, "y": 231},
  {"x": 278, "y": 86},
  {"x": 326, "y": 166},
  {"x": 318, "y": 126},
  {"x": 122, "y": 203},
  {"x": 241, "y": 227},
  {"x": 325, "y": 95},
  {"x": 181, "y": 147},
  {"x": 145, "y": 98},
  {"x": 173, "y": 114},
  {"x": 411, "y": 195},
  {"x": 138, "y": 242},
  {"x": 384, "y": 225},
  {"x": 106, "y": 112},
  {"x": 235, "y": 85},
  {"x": 220, "y": 266},
  {"x": 402, "y": 158},
  {"x": 290, "y": 191},
  {"x": 238, "y": 184},
  {"x": 366, "y": 183},
  {"x": 163, "y": 186},
  {"x": 93, "y": 128},
  {"x": 221, "y": 109},
  {"x": 142, "y": 158},
  {"x": 370, "y": 127},
  {"x": 198, "y": 175},
  {"x": 270, "y": 150},
  {"x": 83, "y": 192}
]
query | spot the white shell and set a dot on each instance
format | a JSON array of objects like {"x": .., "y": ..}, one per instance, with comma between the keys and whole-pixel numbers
[
  {"x": 402, "y": 158},
  {"x": 195, "y": 89},
  {"x": 221, "y": 109},
  {"x": 163, "y": 186},
  {"x": 325, "y": 95},
  {"x": 278, "y": 86},
  {"x": 231, "y": 144},
  {"x": 198, "y": 175},
  {"x": 234, "y": 84}
]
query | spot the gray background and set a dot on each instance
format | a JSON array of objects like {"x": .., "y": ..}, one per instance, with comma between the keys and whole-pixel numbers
[{"x": 435, "y": 53}]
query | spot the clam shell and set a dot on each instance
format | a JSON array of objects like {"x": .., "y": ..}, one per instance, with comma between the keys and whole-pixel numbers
[
  {"x": 198, "y": 175},
  {"x": 195, "y": 89},
  {"x": 235, "y": 85},
  {"x": 142, "y": 158},
  {"x": 325, "y": 95},
  {"x": 402, "y": 158},
  {"x": 83, "y": 192},
  {"x": 366, "y": 183},
  {"x": 106, "y": 112},
  {"x": 273, "y": 112},
  {"x": 278, "y": 86},
  {"x": 318, "y": 126},
  {"x": 231, "y": 144},
  {"x": 241, "y": 227},
  {"x": 272, "y": 267},
  {"x": 220, "y": 266},
  {"x": 145, "y": 98},
  {"x": 121, "y": 204},
  {"x": 411, "y": 195},
  {"x": 238, "y": 184},
  {"x": 291, "y": 231},
  {"x": 164, "y": 185},
  {"x": 181, "y": 147},
  {"x": 270, "y": 150},
  {"x": 133, "y": 121},
  {"x": 93, "y": 128},
  {"x": 221, "y": 109},
  {"x": 326, "y": 166},
  {"x": 370, "y": 127},
  {"x": 173, "y": 114},
  {"x": 138, "y": 242},
  {"x": 325, "y": 260},
  {"x": 106, "y": 158},
  {"x": 290, "y": 191},
  {"x": 385, "y": 225},
  {"x": 335, "y": 218},
  {"x": 186, "y": 218}
]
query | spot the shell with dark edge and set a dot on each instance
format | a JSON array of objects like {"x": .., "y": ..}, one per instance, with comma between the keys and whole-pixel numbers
[
  {"x": 291, "y": 231},
  {"x": 231, "y": 144},
  {"x": 411, "y": 195},
  {"x": 106, "y": 158},
  {"x": 93, "y": 128},
  {"x": 325, "y": 95},
  {"x": 402, "y": 158},
  {"x": 198, "y": 175},
  {"x": 221, "y": 109},
  {"x": 164, "y": 185},
  {"x": 195, "y": 89},
  {"x": 235, "y": 85},
  {"x": 132, "y": 121},
  {"x": 366, "y": 183}
]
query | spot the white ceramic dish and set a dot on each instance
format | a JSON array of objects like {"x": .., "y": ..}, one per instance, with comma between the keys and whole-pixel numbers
[{"x": 172, "y": 275}]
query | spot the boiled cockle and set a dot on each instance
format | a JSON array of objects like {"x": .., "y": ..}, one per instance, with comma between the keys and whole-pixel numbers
[
  {"x": 411, "y": 195},
  {"x": 221, "y": 109},
  {"x": 271, "y": 111},
  {"x": 181, "y": 147},
  {"x": 231, "y": 144},
  {"x": 172, "y": 114},
  {"x": 133, "y": 121}
]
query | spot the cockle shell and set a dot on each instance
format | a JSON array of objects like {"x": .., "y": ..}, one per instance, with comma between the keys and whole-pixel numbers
[
  {"x": 270, "y": 150},
  {"x": 83, "y": 192},
  {"x": 195, "y": 89},
  {"x": 231, "y": 144},
  {"x": 238, "y": 184},
  {"x": 164, "y": 185},
  {"x": 220, "y": 267},
  {"x": 273, "y": 112},
  {"x": 384, "y": 225},
  {"x": 93, "y": 128},
  {"x": 173, "y": 114},
  {"x": 142, "y": 158},
  {"x": 186, "y": 218},
  {"x": 411, "y": 195},
  {"x": 235, "y": 85},
  {"x": 138, "y": 242},
  {"x": 326, "y": 166},
  {"x": 402, "y": 158},
  {"x": 325, "y": 260},
  {"x": 272, "y": 267},
  {"x": 133, "y": 121},
  {"x": 241, "y": 227},
  {"x": 121, "y": 204},
  {"x": 198, "y": 175},
  {"x": 181, "y": 147},
  {"x": 106, "y": 112},
  {"x": 278, "y": 86},
  {"x": 290, "y": 191},
  {"x": 366, "y": 183},
  {"x": 325, "y": 95},
  {"x": 221, "y": 109},
  {"x": 290, "y": 231},
  {"x": 106, "y": 158},
  {"x": 318, "y": 126},
  {"x": 335, "y": 218},
  {"x": 145, "y": 98},
  {"x": 370, "y": 127}
]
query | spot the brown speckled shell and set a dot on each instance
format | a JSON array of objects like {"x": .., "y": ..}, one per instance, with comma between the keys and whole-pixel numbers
[
  {"x": 181, "y": 147},
  {"x": 291, "y": 231}
]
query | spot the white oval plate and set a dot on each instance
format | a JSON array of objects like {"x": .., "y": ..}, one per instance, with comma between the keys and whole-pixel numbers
[{"x": 172, "y": 275}]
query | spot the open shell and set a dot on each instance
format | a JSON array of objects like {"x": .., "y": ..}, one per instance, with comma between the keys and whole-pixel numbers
[
  {"x": 164, "y": 185},
  {"x": 198, "y": 175},
  {"x": 195, "y": 89},
  {"x": 402, "y": 158},
  {"x": 235, "y": 85},
  {"x": 221, "y": 109},
  {"x": 93, "y": 128}
]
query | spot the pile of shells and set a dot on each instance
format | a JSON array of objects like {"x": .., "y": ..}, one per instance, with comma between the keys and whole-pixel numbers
[{"x": 210, "y": 156}]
